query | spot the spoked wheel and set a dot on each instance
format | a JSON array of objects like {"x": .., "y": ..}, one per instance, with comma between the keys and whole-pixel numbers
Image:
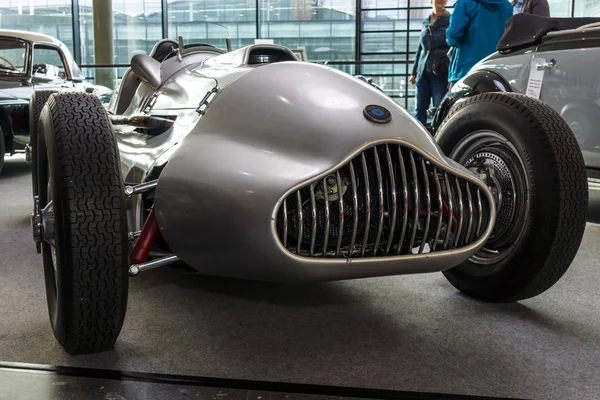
[
  {"x": 529, "y": 158},
  {"x": 80, "y": 221},
  {"x": 497, "y": 162}
]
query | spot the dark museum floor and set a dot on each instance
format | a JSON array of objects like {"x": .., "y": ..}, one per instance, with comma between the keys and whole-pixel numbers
[{"x": 404, "y": 333}]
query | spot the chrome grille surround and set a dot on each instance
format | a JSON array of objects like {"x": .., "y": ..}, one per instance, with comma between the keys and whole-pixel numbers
[{"x": 395, "y": 202}]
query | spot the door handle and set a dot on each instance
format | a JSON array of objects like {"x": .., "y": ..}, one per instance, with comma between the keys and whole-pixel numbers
[{"x": 546, "y": 65}]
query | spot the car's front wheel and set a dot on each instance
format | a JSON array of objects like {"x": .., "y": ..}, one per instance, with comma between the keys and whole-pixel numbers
[
  {"x": 81, "y": 219},
  {"x": 528, "y": 156}
]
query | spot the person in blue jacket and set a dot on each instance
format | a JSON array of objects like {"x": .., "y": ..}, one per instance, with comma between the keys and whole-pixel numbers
[
  {"x": 430, "y": 69},
  {"x": 475, "y": 28}
]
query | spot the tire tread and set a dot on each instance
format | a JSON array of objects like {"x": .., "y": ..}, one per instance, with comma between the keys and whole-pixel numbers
[
  {"x": 95, "y": 227},
  {"x": 568, "y": 185}
]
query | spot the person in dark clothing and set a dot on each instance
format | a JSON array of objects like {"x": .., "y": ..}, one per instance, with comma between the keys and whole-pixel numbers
[
  {"x": 430, "y": 70},
  {"x": 535, "y": 7},
  {"x": 475, "y": 28}
]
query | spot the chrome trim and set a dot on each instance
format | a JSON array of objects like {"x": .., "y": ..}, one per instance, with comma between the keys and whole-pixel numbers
[
  {"x": 450, "y": 210},
  {"x": 480, "y": 212},
  {"x": 355, "y": 207},
  {"x": 368, "y": 199},
  {"x": 470, "y": 207},
  {"x": 313, "y": 234},
  {"x": 438, "y": 187},
  {"x": 130, "y": 190},
  {"x": 381, "y": 203},
  {"x": 285, "y": 223},
  {"x": 461, "y": 208},
  {"x": 394, "y": 196},
  {"x": 327, "y": 216},
  {"x": 375, "y": 244},
  {"x": 300, "y": 222},
  {"x": 135, "y": 269},
  {"x": 428, "y": 212},
  {"x": 404, "y": 199},
  {"x": 416, "y": 216},
  {"x": 341, "y": 211}
]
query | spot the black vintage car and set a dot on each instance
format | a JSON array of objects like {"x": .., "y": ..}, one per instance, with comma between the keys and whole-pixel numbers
[
  {"x": 31, "y": 62},
  {"x": 552, "y": 59}
]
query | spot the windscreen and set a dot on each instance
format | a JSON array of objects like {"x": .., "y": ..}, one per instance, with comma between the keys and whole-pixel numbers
[
  {"x": 12, "y": 56},
  {"x": 199, "y": 32}
]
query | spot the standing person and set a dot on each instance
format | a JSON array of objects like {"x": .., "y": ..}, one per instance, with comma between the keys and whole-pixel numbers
[
  {"x": 475, "y": 28},
  {"x": 430, "y": 70},
  {"x": 535, "y": 7}
]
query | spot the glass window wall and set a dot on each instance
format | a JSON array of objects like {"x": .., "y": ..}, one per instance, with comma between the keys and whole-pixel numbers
[{"x": 388, "y": 30}]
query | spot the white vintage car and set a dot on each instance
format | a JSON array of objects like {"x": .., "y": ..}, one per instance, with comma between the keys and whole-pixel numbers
[{"x": 32, "y": 62}]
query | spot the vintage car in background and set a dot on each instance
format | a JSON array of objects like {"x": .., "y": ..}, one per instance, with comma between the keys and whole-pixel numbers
[
  {"x": 252, "y": 164},
  {"x": 551, "y": 59},
  {"x": 28, "y": 62}
]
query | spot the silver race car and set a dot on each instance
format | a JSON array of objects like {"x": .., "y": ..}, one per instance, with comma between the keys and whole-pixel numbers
[{"x": 253, "y": 164}]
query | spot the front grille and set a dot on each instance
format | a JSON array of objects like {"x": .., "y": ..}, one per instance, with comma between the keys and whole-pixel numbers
[{"x": 393, "y": 202}]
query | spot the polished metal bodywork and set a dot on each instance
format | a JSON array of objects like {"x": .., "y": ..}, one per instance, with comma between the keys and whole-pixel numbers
[{"x": 248, "y": 135}]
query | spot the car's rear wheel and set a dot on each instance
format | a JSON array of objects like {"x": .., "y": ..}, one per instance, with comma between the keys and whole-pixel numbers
[
  {"x": 36, "y": 104},
  {"x": 529, "y": 157},
  {"x": 83, "y": 223}
]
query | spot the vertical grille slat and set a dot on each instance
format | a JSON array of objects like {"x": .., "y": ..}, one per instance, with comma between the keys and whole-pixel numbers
[
  {"x": 327, "y": 216},
  {"x": 368, "y": 201},
  {"x": 341, "y": 211},
  {"x": 438, "y": 188},
  {"x": 355, "y": 209},
  {"x": 300, "y": 222},
  {"x": 479, "y": 213},
  {"x": 381, "y": 203},
  {"x": 428, "y": 206},
  {"x": 389, "y": 200},
  {"x": 404, "y": 199},
  {"x": 450, "y": 210},
  {"x": 394, "y": 197},
  {"x": 460, "y": 213},
  {"x": 313, "y": 232},
  {"x": 285, "y": 223},
  {"x": 470, "y": 208},
  {"x": 416, "y": 201}
]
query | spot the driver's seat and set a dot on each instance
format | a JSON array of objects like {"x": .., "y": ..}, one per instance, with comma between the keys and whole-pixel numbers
[{"x": 130, "y": 82}]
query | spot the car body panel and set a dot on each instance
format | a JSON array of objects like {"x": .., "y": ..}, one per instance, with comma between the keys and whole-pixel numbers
[{"x": 225, "y": 169}]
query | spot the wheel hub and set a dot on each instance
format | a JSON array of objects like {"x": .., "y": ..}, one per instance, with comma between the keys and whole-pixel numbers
[
  {"x": 42, "y": 223},
  {"x": 496, "y": 173},
  {"x": 496, "y": 161}
]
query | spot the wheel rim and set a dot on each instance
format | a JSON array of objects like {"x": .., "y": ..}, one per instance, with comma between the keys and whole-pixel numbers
[
  {"x": 49, "y": 231},
  {"x": 579, "y": 126},
  {"x": 496, "y": 161}
]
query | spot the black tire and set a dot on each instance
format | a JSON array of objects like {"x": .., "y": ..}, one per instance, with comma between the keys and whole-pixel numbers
[
  {"x": 538, "y": 243},
  {"x": 36, "y": 104},
  {"x": 87, "y": 293}
]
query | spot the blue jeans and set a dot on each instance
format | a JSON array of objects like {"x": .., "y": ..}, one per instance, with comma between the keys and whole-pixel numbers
[{"x": 429, "y": 86}]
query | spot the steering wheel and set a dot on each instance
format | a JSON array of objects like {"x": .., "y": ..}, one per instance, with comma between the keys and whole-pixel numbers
[{"x": 9, "y": 63}]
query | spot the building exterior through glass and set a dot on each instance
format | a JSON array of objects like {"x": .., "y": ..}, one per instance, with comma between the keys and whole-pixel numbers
[{"x": 381, "y": 34}]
